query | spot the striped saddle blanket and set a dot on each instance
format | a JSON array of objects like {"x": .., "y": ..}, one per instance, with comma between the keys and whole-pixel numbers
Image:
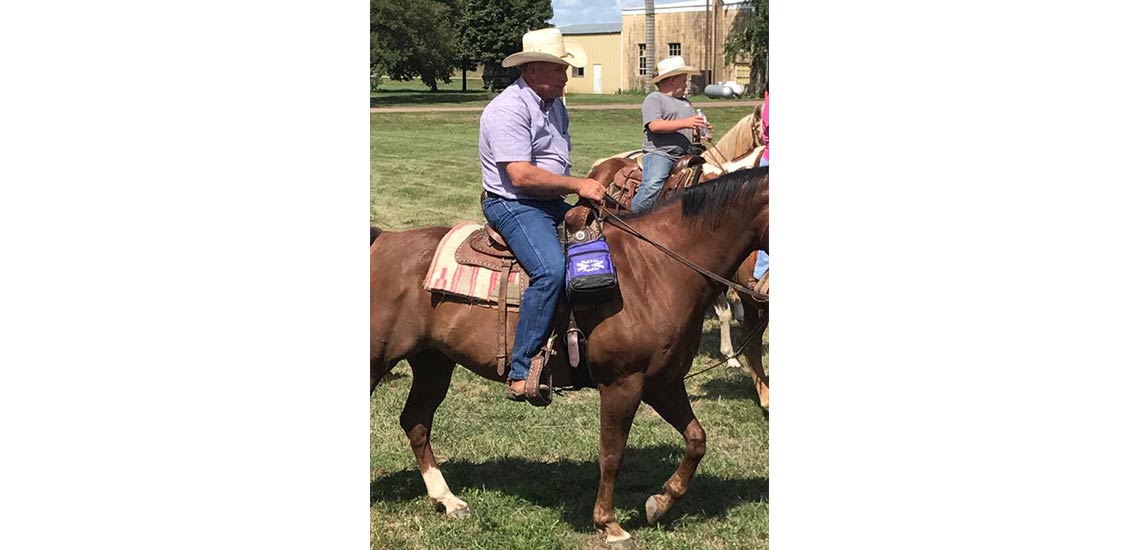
[{"x": 478, "y": 283}]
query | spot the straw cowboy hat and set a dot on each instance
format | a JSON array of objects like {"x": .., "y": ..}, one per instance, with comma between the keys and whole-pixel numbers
[
  {"x": 547, "y": 45},
  {"x": 672, "y": 66}
]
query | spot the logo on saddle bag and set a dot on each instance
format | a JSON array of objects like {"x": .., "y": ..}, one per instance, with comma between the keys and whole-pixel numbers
[{"x": 590, "y": 275}]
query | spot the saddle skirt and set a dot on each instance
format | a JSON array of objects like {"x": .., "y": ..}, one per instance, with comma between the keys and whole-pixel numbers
[
  {"x": 686, "y": 173},
  {"x": 468, "y": 264}
]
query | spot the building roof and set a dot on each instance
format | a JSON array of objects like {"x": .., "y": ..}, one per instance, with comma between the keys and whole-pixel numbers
[
  {"x": 681, "y": 5},
  {"x": 596, "y": 28}
]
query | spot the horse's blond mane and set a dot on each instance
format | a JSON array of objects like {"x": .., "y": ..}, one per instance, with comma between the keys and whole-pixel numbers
[{"x": 736, "y": 141}]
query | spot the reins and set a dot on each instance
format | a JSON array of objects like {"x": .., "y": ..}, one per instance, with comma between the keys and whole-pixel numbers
[
  {"x": 733, "y": 355},
  {"x": 712, "y": 147},
  {"x": 739, "y": 288}
]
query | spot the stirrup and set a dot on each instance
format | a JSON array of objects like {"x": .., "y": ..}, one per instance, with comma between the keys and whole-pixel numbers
[{"x": 539, "y": 383}]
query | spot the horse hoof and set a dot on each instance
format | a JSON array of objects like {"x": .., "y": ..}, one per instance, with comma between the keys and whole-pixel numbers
[
  {"x": 460, "y": 513},
  {"x": 654, "y": 511},
  {"x": 734, "y": 364}
]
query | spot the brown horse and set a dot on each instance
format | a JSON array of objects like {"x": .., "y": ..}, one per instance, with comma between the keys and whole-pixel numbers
[
  {"x": 640, "y": 346},
  {"x": 739, "y": 148}
]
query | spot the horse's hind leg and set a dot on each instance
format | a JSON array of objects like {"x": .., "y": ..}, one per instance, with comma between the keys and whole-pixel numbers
[
  {"x": 431, "y": 376},
  {"x": 724, "y": 314},
  {"x": 672, "y": 403}
]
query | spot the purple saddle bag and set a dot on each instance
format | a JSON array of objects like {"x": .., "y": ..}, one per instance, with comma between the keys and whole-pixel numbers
[{"x": 590, "y": 275}]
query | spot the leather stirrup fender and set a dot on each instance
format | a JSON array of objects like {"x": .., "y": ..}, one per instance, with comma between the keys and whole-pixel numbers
[
  {"x": 539, "y": 384},
  {"x": 501, "y": 358}
]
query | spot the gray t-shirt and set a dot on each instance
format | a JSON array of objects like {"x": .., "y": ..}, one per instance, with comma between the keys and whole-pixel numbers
[{"x": 660, "y": 106}]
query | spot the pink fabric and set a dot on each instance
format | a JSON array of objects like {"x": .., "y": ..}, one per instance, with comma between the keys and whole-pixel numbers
[
  {"x": 764, "y": 117},
  {"x": 448, "y": 276}
]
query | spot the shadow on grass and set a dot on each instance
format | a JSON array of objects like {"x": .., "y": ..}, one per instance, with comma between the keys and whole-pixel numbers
[
  {"x": 729, "y": 387},
  {"x": 727, "y": 383},
  {"x": 397, "y": 97},
  {"x": 571, "y": 486}
]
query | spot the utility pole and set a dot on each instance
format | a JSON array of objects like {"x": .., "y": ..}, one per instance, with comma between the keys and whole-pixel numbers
[
  {"x": 650, "y": 52},
  {"x": 707, "y": 61}
]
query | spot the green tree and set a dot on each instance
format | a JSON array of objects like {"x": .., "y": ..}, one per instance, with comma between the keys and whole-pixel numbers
[
  {"x": 415, "y": 38},
  {"x": 749, "y": 40},
  {"x": 493, "y": 29}
]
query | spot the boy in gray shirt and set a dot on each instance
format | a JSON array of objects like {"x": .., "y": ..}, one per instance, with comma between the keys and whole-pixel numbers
[{"x": 669, "y": 123}]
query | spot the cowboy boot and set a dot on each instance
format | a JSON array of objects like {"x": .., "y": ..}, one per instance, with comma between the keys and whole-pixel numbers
[{"x": 538, "y": 392}]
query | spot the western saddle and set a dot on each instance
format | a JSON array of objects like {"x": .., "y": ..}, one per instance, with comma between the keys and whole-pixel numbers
[{"x": 686, "y": 173}]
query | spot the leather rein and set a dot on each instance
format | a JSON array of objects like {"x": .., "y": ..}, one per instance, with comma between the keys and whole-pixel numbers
[{"x": 758, "y": 296}]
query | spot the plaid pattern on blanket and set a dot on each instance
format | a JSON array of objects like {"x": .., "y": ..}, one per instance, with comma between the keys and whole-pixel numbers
[{"x": 478, "y": 283}]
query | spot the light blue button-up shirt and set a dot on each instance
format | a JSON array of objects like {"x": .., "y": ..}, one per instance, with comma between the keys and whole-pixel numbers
[{"x": 517, "y": 126}]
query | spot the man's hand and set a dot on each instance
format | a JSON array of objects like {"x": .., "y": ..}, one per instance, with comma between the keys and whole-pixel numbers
[{"x": 591, "y": 189}]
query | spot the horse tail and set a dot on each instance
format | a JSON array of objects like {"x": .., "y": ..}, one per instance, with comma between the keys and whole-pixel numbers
[{"x": 375, "y": 233}]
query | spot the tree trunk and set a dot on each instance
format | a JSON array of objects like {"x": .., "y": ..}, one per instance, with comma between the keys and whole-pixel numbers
[
  {"x": 465, "y": 77},
  {"x": 755, "y": 80},
  {"x": 650, "y": 51}
]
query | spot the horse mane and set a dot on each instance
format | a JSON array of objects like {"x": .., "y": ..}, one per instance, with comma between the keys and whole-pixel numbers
[
  {"x": 737, "y": 140},
  {"x": 706, "y": 202}
]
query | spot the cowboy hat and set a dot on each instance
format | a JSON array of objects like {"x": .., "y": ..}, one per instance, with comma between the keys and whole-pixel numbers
[
  {"x": 547, "y": 45},
  {"x": 672, "y": 66}
]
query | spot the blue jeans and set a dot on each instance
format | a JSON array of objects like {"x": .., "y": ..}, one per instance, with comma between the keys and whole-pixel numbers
[
  {"x": 654, "y": 171},
  {"x": 761, "y": 256},
  {"x": 530, "y": 229},
  {"x": 761, "y": 264}
]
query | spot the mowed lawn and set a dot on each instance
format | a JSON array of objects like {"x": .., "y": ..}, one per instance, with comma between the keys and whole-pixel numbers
[
  {"x": 425, "y": 166},
  {"x": 530, "y": 475}
]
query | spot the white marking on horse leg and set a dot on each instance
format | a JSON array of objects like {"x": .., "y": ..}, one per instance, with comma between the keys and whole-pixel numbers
[
  {"x": 617, "y": 538},
  {"x": 724, "y": 314},
  {"x": 737, "y": 307},
  {"x": 438, "y": 491}
]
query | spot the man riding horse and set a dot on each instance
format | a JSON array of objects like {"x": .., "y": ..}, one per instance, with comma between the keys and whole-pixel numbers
[{"x": 524, "y": 150}]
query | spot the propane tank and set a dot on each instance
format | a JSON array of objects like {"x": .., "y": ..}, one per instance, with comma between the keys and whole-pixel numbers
[{"x": 717, "y": 90}]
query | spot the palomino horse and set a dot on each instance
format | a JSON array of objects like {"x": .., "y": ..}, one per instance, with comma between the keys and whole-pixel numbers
[
  {"x": 641, "y": 345},
  {"x": 739, "y": 148}
]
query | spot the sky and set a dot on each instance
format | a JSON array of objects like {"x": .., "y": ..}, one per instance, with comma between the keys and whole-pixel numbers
[{"x": 582, "y": 12}]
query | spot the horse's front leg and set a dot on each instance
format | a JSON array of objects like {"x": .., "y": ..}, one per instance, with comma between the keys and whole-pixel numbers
[
  {"x": 672, "y": 403},
  {"x": 756, "y": 321},
  {"x": 431, "y": 376},
  {"x": 619, "y": 402},
  {"x": 724, "y": 314}
]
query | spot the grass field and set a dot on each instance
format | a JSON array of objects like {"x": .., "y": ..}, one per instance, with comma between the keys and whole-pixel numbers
[
  {"x": 534, "y": 488},
  {"x": 425, "y": 166}
]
